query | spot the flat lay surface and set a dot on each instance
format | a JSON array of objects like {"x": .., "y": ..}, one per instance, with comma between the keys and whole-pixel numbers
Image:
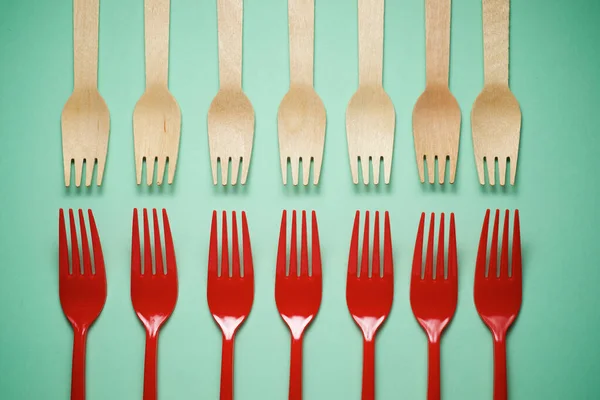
[{"x": 552, "y": 349}]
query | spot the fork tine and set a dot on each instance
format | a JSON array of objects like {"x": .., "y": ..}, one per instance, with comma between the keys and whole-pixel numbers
[
  {"x": 147, "y": 245},
  {"x": 364, "y": 162},
  {"x": 388, "y": 259},
  {"x": 516, "y": 249},
  {"x": 353, "y": 256},
  {"x": 97, "y": 247},
  {"x": 89, "y": 171},
  {"x": 452, "y": 251},
  {"x": 172, "y": 167},
  {"x": 513, "y": 169},
  {"x": 283, "y": 159},
  {"x": 169, "y": 247},
  {"x": 85, "y": 248},
  {"x": 452, "y": 162},
  {"x": 213, "y": 252},
  {"x": 502, "y": 170},
  {"x": 224, "y": 247},
  {"x": 305, "y": 170},
  {"x": 421, "y": 166},
  {"x": 439, "y": 268},
  {"x": 214, "y": 163},
  {"x": 78, "y": 171},
  {"x": 387, "y": 166},
  {"x": 491, "y": 166},
  {"x": 418, "y": 254},
  {"x": 246, "y": 163},
  {"x": 294, "y": 166},
  {"x": 480, "y": 170},
  {"x": 504, "y": 252},
  {"x": 317, "y": 161},
  {"x": 482, "y": 251},
  {"x": 160, "y": 174},
  {"x": 63, "y": 247},
  {"x": 139, "y": 165},
  {"x": 429, "y": 256},
  {"x": 248, "y": 263},
  {"x": 235, "y": 167},
  {"x": 376, "y": 166},
  {"x": 364, "y": 268},
  {"x": 100, "y": 172},
  {"x": 67, "y": 169},
  {"x": 75, "y": 260},
  {"x": 150, "y": 161},
  {"x": 493, "y": 269},
  {"x": 316, "y": 248},
  {"x": 430, "y": 160},
  {"x": 158, "y": 258},
  {"x": 376, "y": 263},
  {"x": 224, "y": 170},
  {"x": 136, "y": 262},
  {"x": 354, "y": 168},
  {"x": 235, "y": 250},
  {"x": 304, "y": 247},
  {"x": 293, "y": 248},
  {"x": 281, "y": 249},
  {"x": 441, "y": 169}
]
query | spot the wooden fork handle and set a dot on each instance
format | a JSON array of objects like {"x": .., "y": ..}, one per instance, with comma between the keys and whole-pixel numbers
[
  {"x": 433, "y": 375},
  {"x": 368, "y": 378},
  {"x": 230, "y": 15},
  {"x": 78, "y": 367},
  {"x": 227, "y": 369},
  {"x": 150, "y": 363},
  {"x": 301, "y": 16},
  {"x": 370, "y": 42},
  {"x": 156, "y": 29},
  {"x": 437, "y": 46},
  {"x": 495, "y": 41},
  {"x": 500, "y": 381},
  {"x": 296, "y": 369},
  {"x": 85, "y": 43}
]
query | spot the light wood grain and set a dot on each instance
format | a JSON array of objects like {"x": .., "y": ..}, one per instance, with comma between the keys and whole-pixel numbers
[
  {"x": 370, "y": 116},
  {"x": 230, "y": 116},
  {"x": 156, "y": 117},
  {"x": 436, "y": 116},
  {"x": 85, "y": 120},
  {"x": 301, "y": 119},
  {"x": 496, "y": 114}
]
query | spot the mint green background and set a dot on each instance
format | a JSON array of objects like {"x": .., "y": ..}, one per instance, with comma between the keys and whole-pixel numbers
[{"x": 555, "y": 65}]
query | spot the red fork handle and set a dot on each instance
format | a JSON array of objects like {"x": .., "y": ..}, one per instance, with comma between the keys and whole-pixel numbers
[
  {"x": 500, "y": 385},
  {"x": 368, "y": 378},
  {"x": 150, "y": 362},
  {"x": 78, "y": 366},
  {"x": 433, "y": 376},
  {"x": 227, "y": 369},
  {"x": 296, "y": 370}
]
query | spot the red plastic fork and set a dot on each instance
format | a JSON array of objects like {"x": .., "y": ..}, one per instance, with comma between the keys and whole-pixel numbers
[
  {"x": 230, "y": 294},
  {"x": 82, "y": 291},
  {"x": 369, "y": 296},
  {"x": 433, "y": 297},
  {"x": 153, "y": 293},
  {"x": 298, "y": 293},
  {"x": 498, "y": 294}
]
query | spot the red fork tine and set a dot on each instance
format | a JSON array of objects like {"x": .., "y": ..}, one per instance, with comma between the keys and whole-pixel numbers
[
  {"x": 169, "y": 247},
  {"x": 248, "y": 263},
  {"x": 63, "y": 247},
  {"x": 516, "y": 249},
  {"x": 235, "y": 251},
  {"x": 353, "y": 256},
  {"x": 452, "y": 252},
  {"x": 85, "y": 248},
  {"x": 418, "y": 254},
  {"x": 482, "y": 251},
  {"x": 504, "y": 251},
  {"x": 294, "y": 248},
  {"x": 281, "y": 249},
  {"x": 304, "y": 247},
  {"x": 316, "y": 248},
  {"x": 75, "y": 260},
  {"x": 224, "y": 247},
  {"x": 388, "y": 258},
  {"x": 213, "y": 252},
  {"x": 376, "y": 264},
  {"x": 147, "y": 246},
  {"x": 439, "y": 268},
  {"x": 364, "y": 269},
  {"x": 136, "y": 262},
  {"x": 158, "y": 258},
  {"x": 429, "y": 256},
  {"x": 493, "y": 268},
  {"x": 98, "y": 256}
]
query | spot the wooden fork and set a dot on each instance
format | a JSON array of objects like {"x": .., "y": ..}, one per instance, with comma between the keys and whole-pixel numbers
[
  {"x": 302, "y": 118},
  {"x": 156, "y": 117},
  {"x": 370, "y": 116},
  {"x": 496, "y": 115},
  {"x": 436, "y": 116},
  {"x": 85, "y": 119},
  {"x": 230, "y": 116}
]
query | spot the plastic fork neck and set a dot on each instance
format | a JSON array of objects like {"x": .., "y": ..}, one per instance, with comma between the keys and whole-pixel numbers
[
  {"x": 369, "y": 326},
  {"x": 228, "y": 325}
]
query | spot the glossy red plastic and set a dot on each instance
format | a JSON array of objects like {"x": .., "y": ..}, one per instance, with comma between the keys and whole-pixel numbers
[
  {"x": 369, "y": 294},
  {"x": 153, "y": 290},
  {"x": 82, "y": 289},
  {"x": 298, "y": 292},
  {"x": 433, "y": 294},
  {"x": 230, "y": 293},
  {"x": 497, "y": 293}
]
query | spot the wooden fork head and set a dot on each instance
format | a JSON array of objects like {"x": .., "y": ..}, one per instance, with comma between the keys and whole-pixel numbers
[
  {"x": 496, "y": 126},
  {"x": 156, "y": 132},
  {"x": 301, "y": 122},
  {"x": 230, "y": 134},
  {"x": 85, "y": 124},
  {"x": 370, "y": 124},
  {"x": 436, "y": 130}
]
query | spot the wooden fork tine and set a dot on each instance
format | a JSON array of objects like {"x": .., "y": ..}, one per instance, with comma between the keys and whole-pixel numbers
[
  {"x": 150, "y": 162},
  {"x": 452, "y": 162},
  {"x": 162, "y": 163},
  {"x": 295, "y": 166},
  {"x": 376, "y": 165},
  {"x": 365, "y": 163},
  {"x": 78, "y": 171},
  {"x": 502, "y": 170},
  {"x": 491, "y": 166},
  {"x": 441, "y": 169},
  {"x": 224, "y": 170},
  {"x": 235, "y": 167},
  {"x": 317, "y": 162},
  {"x": 430, "y": 160},
  {"x": 305, "y": 170},
  {"x": 89, "y": 171}
]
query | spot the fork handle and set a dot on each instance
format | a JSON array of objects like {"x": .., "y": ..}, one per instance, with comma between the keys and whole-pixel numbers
[
  {"x": 85, "y": 43},
  {"x": 156, "y": 31},
  {"x": 433, "y": 365},
  {"x": 78, "y": 367},
  {"x": 370, "y": 42},
  {"x": 500, "y": 385},
  {"x": 296, "y": 369},
  {"x": 230, "y": 15},
  {"x": 227, "y": 369},
  {"x": 437, "y": 42},
  {"x": 368, "y": 378},
  {"x": 495, "y": 41},
  {"x": 301, "y": 16},
  {"x": 150, "y": 362}
]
